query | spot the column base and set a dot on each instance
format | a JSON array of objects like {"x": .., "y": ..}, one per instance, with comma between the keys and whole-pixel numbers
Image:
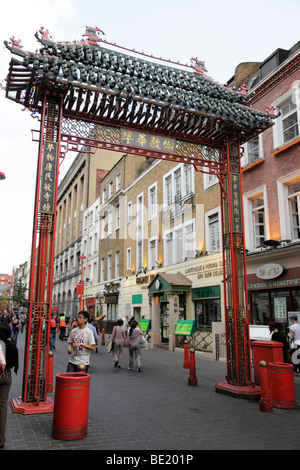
[
  {"x": 249, "y": 392},
  {"x": 193, "y": 381},
  {"x": 265, "y": 405},
  {"x": 17, "y": 405}
]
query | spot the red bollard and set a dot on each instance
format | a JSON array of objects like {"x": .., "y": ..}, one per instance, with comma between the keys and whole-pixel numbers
[
  {"x": 265, "y": 402},
  {"x": 192, "y": 378},
  {"x": 71, "y": 406},
  {"x": 103, "y": 338},
  {"x": 49, "y": 383},
  {"x": 281, "y": 384},
  {"x": 186, "y": 361}
]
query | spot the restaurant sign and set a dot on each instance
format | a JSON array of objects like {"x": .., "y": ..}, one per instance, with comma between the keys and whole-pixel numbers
[{"x": 269, "y": 271}]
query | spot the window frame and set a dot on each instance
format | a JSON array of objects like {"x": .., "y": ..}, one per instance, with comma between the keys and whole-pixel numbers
[
  {"x": 279, "y": 104},
  {"x": 260, "y": 191},
  {"x": 283, "y": 204},
  {"x": 207, "y": 215}
]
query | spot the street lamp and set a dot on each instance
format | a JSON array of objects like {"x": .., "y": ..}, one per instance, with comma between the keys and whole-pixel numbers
[
  {"x": 82, "y": 257},
  {"x": 2, "y": 176}
]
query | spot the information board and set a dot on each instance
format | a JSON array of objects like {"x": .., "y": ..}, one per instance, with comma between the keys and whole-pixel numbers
[
  {"x": 185, "y": 327},
  {"x": 145, "y": 325}
]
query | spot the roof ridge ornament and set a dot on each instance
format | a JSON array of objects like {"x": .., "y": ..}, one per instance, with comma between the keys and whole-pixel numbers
[
  {"x": 93, "y": 37},
  {"x": 199, "y": 66},
  {"x": 92, "y": 34},
  {"x": 16, "y": 43}
]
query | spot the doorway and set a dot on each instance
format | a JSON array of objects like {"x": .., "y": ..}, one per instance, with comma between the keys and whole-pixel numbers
[{"x": 164, "y": 322}]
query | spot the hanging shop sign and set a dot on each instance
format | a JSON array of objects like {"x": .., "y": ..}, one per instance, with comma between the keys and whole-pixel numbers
[
  {"x": 79, "y": 289},
  {"x": 48, "y": 179},
  {"x": 269, "y": 271},
  {"x": 90, "y": 301}
]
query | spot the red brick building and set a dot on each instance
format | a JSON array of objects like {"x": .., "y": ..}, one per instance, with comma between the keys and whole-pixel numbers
[
  {"x": 271, "y": 189},
  {"x": 5, "y": 290}
]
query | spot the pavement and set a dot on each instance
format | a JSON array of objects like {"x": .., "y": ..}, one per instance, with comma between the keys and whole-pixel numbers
[{"x": 156, "y": 412}]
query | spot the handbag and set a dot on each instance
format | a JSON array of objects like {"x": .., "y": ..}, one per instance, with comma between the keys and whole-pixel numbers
[
  {"x": 143, "y": 343},
  {"x": 2, "y": 361},
  {"x": 109, "y": 346}
]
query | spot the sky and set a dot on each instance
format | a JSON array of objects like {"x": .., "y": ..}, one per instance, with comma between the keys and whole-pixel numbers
[{"x": 221, "y": 33}]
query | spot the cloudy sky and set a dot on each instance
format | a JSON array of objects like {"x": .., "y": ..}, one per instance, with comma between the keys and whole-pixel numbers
[{"x": 222, "y": 33}]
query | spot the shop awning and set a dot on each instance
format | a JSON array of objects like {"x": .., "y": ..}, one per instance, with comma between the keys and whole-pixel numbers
[{"x": 164, "y": 283}]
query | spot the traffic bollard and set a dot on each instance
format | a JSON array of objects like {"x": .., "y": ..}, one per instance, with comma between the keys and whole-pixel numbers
[
  {"x": 192, "y": 378},
  {"x": 265, "y": 402},
  {"x": 186, "y": 361},
  {"x": 281, "y": 384},
  {"x": 103, "y": 338},
  {"x": 49, "y": 383}
]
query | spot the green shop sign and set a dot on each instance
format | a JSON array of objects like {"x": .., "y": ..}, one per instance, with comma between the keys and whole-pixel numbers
[
  {"x": 137, "y": 298},
  {"x": 185, "y": 327},
  {"x": 145, "y": 325},
  {"x": 211, "y": 292}
]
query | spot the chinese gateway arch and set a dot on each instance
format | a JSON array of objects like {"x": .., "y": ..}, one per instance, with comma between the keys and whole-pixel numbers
[{"x": 93, "y": 93}]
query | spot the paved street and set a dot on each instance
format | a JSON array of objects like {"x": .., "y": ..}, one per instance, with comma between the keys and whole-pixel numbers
[{"x": 157, "y": 410}]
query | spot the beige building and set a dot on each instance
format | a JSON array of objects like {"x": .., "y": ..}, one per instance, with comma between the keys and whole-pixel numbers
[
  {"x": 136, "y": 219},
  {"x": 79, "y": 188},
  {"x": 159, "y": 217}
]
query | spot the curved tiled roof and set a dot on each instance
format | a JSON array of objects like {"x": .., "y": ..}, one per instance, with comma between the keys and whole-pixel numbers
[{"x": 96, "y": 69}]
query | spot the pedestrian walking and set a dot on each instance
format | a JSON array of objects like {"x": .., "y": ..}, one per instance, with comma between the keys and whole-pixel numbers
[
  {"x": 133, "y": 337},
  {"x": 5, "y": 317},
  {"x": 15, "y": 328},
  {"x": 11, "y": 356},
  {"x": 22, "y": 320},
  {"x": 53, "y": 326},
  {"x": 62, "y": 327},
  {"x": 81, "y": 343},
  {"x": 92, "y": 327},
  {"x": 118, "y": 339},
  {"x": 277, "y": 335},
  {"x": 294, "y": 335}
]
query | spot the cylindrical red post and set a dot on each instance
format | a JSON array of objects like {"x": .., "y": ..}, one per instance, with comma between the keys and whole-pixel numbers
[
  {"x": 282, "y": 387},
  {"x": 50, "y": 373},
  {"x": 192, "y": 378},
  {"x": 265, "y": 403},
  {"x": 70, "y": 415},
  {"x": 103, "y": 338},
  {"x": 186, "y": 361}
]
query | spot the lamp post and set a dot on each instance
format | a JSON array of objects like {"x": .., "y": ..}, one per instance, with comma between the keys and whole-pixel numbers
[{"x": 82, "y": 257}]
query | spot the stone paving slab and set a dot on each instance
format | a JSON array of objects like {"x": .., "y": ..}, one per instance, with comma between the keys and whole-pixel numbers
[{"x": 156, "y": 410}]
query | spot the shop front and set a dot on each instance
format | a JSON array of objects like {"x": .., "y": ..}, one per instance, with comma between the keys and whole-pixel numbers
[
  {"x": 274, "y": 293},
  {"x": 111, "y": 302},
  {"x": 167, "y": 295}
]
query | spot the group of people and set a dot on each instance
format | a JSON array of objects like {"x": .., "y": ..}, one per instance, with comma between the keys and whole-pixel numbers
[
  {"x": 82, "y": 341},
  {"x": 9, "y": 359},
  {"x": 64, "y": 325},
  {"x": 290, "y": 343},
  {"x": 15, "y": 320},
  {"x": 126, "y": 333}
]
